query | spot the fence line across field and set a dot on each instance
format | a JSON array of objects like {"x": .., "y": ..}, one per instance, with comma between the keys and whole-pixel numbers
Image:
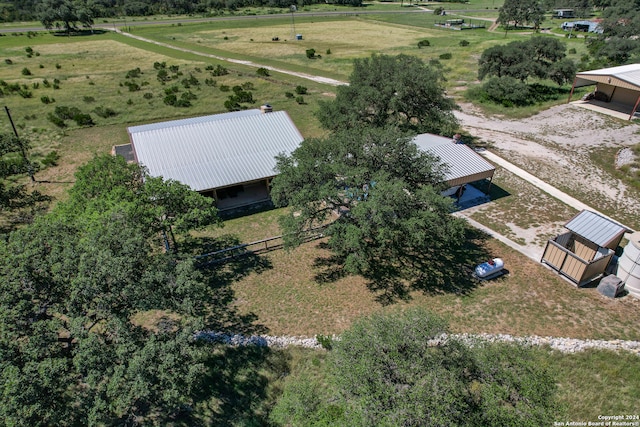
[{"x": 244, "y": 249}]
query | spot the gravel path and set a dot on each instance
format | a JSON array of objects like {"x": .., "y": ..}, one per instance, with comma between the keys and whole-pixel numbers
[{"x": 563, "y": 345}]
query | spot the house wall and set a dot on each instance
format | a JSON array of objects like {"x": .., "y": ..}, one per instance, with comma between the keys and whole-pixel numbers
[
  {"x": 626, "y": 97},
  {"x": 241, "y": 195}
]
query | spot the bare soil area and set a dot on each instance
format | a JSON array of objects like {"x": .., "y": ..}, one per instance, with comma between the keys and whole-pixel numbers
[{"x": 565, "y": 147}]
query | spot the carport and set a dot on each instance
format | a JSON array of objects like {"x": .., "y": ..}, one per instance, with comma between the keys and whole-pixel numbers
[{"x": 617, "y": 89}]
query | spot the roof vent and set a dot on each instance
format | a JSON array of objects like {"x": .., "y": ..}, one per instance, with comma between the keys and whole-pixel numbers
[{"x": 266, "y": 108}]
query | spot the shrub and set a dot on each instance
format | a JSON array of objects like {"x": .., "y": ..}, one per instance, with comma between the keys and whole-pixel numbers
[
  {"x": 172, "y": 89},
  {"x": 29, "y": 50},
  {"x": 301, "y": 90},
  {"x": 231, "y": 105},
  {"x": 83, "y": 119},
  {"x": 224, "y": 88},
  {"x": 51, "y": 159},
  {"x": 105, "y": 112},
  {"x": 209, "y": 67},
  {"x": 247, "y": 86},
  {"x": 423, "y": 43},
  {"x": 311, "y": 53},
  {"x": 210, "y": 82},
  {"x": 26, "y": 71},
  {"x": 131, "y": 74},
  {"x": 66, "y": 113},
  {"x": 262, "y": 72},
  {"x": 58, "y": 66},
  {"x": 325, "y": 341},
  {"x": 572, "y": 51},
  {"x": 46, "y": 83},
  {"x": 191, "y": 81},
  {"x": 25, "y": 93},
  {"x": 438, "y": 10},
  {"x": 133, "y": 86},
  {"x": 446, "y": 55},
  {"x": 88, "y": 99},
  {"x": 219, "y": 71},
  {"x": 46, "y": 100},
  {"x": 288, "y": 94},
  {"x": 129, "y": 101},
  {"x": 170, "y": 99},
  {"x": 464, "y": 43},
  {"x": 56, "y": 120},
  {"x": 8, "y": 61},
  {"x": 147, "y": 95},
  {"x": 300, "y": 99},
  {"x": 507, "y": 91},
  {"x": 163, "y": 76},
  {"x": 159, "y": 65},
  {"x": 35, "y": 85},
  {"x": 328, "y": 52},
  {"x": 188, "y": 96},
  {"x": 174, "y": 69}
]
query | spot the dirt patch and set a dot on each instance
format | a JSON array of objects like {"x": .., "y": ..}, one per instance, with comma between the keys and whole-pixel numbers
[{"x": 558, "y": 146}]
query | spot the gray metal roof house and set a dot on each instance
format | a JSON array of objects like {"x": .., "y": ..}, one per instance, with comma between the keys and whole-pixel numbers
[
  {"x": 229, "y": 156},
  {"x": 616, "y": 87},
  {"x": 583, "y": 253},
  {"x": 464, "y": 165}
]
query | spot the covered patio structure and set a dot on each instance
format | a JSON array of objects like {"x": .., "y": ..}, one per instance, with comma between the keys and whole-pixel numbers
[{"x": 617, "y": 90}]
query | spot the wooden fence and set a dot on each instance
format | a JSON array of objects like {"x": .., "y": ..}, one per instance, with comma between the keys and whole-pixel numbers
[{"x": 253, "y": 248}]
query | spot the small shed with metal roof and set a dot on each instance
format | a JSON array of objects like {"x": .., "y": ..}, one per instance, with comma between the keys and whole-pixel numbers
[
  {"x": 229, "y": 156},
  {"x": 584, "y": 252},
  {"x": 464, "y": 165},
  {"x": 617, "y": 86}
]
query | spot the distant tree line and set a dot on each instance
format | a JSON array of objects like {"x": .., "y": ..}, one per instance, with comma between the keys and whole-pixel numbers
[
  {"x": 617, "y": 44},
  {"x": 29, "y": 10}
]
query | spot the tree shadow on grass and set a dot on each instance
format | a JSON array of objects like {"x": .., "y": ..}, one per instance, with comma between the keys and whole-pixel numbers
[
  {"x": 443, "y": 270},
  {"x": 221, "y": 313},
  {"x": 236, "y": 390}
]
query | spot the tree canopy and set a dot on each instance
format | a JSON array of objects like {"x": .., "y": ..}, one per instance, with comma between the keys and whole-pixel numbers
[
  {"x": 391, "y": 90},
  {"x": 539, "y": 57},
  {"x": 520, "y": 12},
  {"x": 386, "y": 370},
  {"x": 66, "y": 14},
  {"x": 73, "y": 284},
  {"x": 17, "y": 203},
  {"x": 619, "y": 43},
  {"x": 377, "y": 194}
]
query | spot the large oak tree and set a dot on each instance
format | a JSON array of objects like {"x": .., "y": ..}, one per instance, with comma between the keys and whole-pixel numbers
[
  {"x": 394, "y": 369},
  {"x": 74, "y": 282},
  {"x": 385, "y": 90},
  {"x": 378, "y": 196}
]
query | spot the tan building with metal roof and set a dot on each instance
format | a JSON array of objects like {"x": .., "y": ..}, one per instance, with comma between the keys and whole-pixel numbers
[
  {"x": 229, "y": 156},
  {"x": 617, "y": 88}
]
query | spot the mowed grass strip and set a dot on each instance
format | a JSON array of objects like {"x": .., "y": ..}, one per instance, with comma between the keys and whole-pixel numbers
[{"x": 532, "y": 300}]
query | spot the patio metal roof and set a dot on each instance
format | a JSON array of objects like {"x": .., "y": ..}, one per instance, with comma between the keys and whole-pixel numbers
[
  {"x": 626, "y": 76},
  {"x": 464, "y": 164},
  {"x": 218, "y": 150},
  {"x": 596, "y": 228}
]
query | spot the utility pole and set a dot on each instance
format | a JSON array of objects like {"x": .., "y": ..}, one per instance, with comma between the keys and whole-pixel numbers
[
  {"x": 293, "y": 8},
  {"x": 22, "y": 150}
]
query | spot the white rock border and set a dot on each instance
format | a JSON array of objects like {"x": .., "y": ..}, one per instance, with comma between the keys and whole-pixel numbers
[{"x": 564, "y": 345}]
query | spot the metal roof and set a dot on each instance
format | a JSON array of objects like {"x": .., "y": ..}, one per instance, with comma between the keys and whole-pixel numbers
[
  {"x": 596, "y": 228},
  {"x": 216, "y": 151},
  {"x": 464, "y": 164},
  {"x": 626, "y": 76}
]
